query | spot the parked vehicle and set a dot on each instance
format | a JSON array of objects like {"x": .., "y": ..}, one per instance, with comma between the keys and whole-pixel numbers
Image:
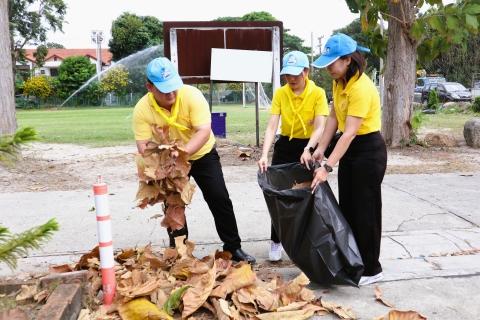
[
  {"x": 447, "y": 91},
  {"x": 476, "y": 90},
  {"x": 423, "y": 81}
]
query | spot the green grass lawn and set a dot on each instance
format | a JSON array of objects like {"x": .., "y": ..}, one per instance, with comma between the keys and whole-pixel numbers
[
  {"x": 100, "y": 127},
  {"x": 454, "y": 122}
]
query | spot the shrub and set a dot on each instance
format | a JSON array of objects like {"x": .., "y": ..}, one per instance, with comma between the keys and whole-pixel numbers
[
  {"x": 39, "y": 87},
  {"x": 432, "y": 100},
  {"x": 476, "y": 105},
  {"x": 116, "y": 80}
]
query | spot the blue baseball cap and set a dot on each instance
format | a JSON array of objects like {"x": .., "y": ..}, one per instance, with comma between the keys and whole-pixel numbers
[
  {"x": 164, "y": 76},
  {"x": 337, "y": 46},
  {"x": 294, "y": 62}
]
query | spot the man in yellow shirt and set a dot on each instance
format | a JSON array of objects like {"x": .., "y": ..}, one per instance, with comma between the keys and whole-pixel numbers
[{"x": 184, "y": 109}]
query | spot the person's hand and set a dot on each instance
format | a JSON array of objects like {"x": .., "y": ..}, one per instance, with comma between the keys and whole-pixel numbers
[
  {"x": 263, "y": 164},
  {"x": 306, "y": 158},
  {"x": 320, "y": 175},
  {"x": 317, "y": 156},
  {"x": 171, "y": 165}
]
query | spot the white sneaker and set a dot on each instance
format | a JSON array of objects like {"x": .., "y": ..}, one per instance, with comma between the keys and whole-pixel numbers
[
  {"x": 367, "y": 280},
  {"x": 275, "y": 253}
]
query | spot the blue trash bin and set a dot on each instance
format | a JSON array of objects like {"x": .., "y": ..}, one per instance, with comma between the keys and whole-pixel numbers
[{"x": 219, "y": 126}]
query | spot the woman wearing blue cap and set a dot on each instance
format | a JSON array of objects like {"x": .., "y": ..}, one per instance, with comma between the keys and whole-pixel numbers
[
  {"x": 361, "y": 149},
  {"x": 302, "y": 106}
]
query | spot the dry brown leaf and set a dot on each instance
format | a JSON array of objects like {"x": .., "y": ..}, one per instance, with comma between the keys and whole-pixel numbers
[
  {"x": 244, "y": 308},
  {"x": 199, "y": 267},
  {"x": 235, "y": 313},
  {"x": 195, "y": 296},
  {"x": 155, "y": 262},
  {"x": 41, "y": 295},
  {"x": 293, "y": 288},
  {"x": 170, "y": 255},
  {"x": 225, "y": 255},
  {"x": 26, "y": 292},
  {"x": 126, "y": 254},
  {"x": 293, "y": 306},
  {"x": 380, "y": 318},
  {"x": 243, "y": 153},
  {"x": 187, "y": 192},
  {"x": 182, "y": 248},
  {"x": 291, "y": 315},
  {"x": 405, "y": 315},
  {"x": 319, "y": 310},
  {"x": 144, "y": 289},
  {"x": 307, "y": 184},
  {"x": 14, "y": 314},
  {"x": 221, "y": 314},
  {"x": 174, "y": 217},
  {"x": 83, "y": 262},
  {"x": 208, "y": 306},
  {"x": 59, "y": 269},
  {"x": 378, "y": 294},
  {"x": 266, "y": 299},
  {"x": 342, "y": 312},
  {"x": 181, "y": 269},
  {"x": 84, "y": 314},
  {"x": 145, "y": 190},
  {"x": 236, "y": 279}
]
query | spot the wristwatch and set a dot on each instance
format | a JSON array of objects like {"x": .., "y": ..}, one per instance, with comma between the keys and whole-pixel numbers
[
  {"x": 328, "y": 168},
  {"x": 309, "y": 149}
]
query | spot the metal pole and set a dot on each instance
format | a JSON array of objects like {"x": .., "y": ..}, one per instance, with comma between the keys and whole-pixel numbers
[
  {"x": 257, "y": 126},
  {"x": 311, "y": 52},
  {"x": 210, "y": 101}
]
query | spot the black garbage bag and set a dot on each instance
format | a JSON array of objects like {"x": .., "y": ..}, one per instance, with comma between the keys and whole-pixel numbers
[{"x": 311, "y": 227}]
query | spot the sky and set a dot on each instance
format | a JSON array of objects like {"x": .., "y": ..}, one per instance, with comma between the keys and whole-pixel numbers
[{"x": 318, "y": 16}]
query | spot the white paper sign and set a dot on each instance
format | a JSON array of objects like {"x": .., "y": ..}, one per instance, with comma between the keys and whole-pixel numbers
[{"x": 241, "y": 65}]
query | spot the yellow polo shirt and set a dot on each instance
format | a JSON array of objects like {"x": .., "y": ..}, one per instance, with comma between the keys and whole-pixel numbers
[
  {"x": 193, "y": 111},
  {"x": 291, "y": 107},
  {"x": 360, "y": 98}
]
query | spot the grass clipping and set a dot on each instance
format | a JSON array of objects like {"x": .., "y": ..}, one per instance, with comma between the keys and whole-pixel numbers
[{"x": 163, "y": 178}]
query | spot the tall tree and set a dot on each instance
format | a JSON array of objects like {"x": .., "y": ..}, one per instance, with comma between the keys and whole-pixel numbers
[
  {"x": 354, "y": 30},
  {"x": 54, "y": 45},
  {"x": 132, "y": 33},
  {"x": 73, "y": 73},
  {"x": 290, "y": 42},
  {"x": 30, "y": 20},
  {"x": 8, "y": 120},
  {"x": 40, "y": 54},
  {"x": 408, "y": 36}
]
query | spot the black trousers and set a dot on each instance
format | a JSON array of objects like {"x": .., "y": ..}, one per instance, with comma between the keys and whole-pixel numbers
[
  {"x": 360, "y": 175},
  {"x": 286, "y": 151},
  {"x": 208, "y": 175}
]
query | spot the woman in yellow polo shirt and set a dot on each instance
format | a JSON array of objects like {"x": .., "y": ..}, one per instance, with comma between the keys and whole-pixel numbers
[
  {"x": 361, "y": 150},
  {"x": 302, "y": 106}
]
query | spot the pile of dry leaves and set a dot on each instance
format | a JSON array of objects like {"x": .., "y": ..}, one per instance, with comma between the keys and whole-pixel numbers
[
  {"x": 175, "y": 283},
  {"x": 164, "y": 178}
]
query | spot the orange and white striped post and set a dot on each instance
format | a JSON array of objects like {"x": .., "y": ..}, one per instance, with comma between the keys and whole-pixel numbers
[{"x": 105, "y": 241}]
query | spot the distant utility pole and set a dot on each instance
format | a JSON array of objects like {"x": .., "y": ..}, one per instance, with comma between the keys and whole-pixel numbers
[
  {"x": 311, "y": 52},
  {"x": 320, "y": 44},
  {"x": 97, "y": 38}
]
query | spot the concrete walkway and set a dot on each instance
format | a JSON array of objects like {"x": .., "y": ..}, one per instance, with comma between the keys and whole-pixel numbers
[{"x": 430, "y": 247}]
